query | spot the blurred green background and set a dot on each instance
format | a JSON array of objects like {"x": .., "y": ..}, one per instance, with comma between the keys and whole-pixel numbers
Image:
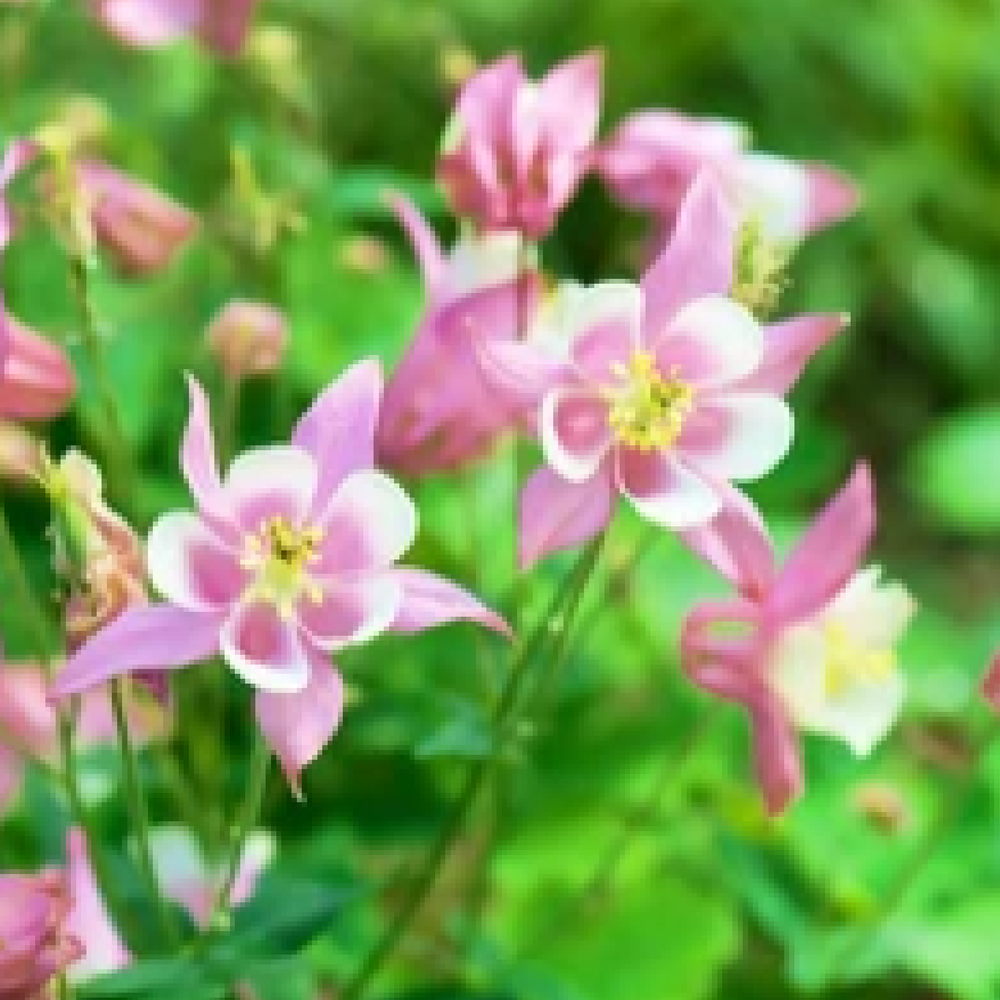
[{"x": 623, "y": 854}]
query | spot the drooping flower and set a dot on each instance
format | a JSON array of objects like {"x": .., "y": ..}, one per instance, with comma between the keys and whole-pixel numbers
[
  {"x": 653, "y": 158},
  {"x": 36, "y": 942},
  {"x": 247, "y": 338},
  {"x": 289, "y": 558},
  {"x": 141, "y": 228},
  {"x": 88, "y": 921},
  {"x": 186, "y": 877},
  {"x": 36, "y": 378},
  {"x": 516, "y": 150},
  {"x": 663, "y": 393},
  {"x": 439, "y": 410},
  {"x": 220, "y": 24},
  {"x": 29, "y": 725},
  {"x": 809, "y": 645}
]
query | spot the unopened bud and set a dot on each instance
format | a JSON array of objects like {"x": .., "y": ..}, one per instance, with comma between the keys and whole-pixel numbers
[
  {"x": 22, "y": 456},
  {"x": 247, "y": 338}
]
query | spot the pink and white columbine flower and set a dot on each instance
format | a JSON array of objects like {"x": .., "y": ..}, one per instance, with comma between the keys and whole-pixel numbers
[
  {"x": 221, "y": 24},
  {"x": 289, "y": 558},
  {"x": 186, "y": 876},
  {"x": 439, "y": 410},
  {"x": 815, "y": 642},
  {"x": 653, "y": 158},
  {"x": 663, "y": 393},
  {"x": 515, "y": 150}
]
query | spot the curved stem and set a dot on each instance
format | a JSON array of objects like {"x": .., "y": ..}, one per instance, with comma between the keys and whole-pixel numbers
[
  {"x": 563, "y": 610},
  {"x": 137, "y": 811}
]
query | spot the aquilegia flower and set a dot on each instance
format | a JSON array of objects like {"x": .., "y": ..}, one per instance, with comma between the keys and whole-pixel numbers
[
  {"x": 36, "y": 378},
  {"x": 663, "y": 393},
  {"x": 653, "y": 158},
  {"x": 439, "y": 409},
  {"x": 288, "y": 559},
  {"x": 220, "y": 24},
  {"x": 187, "y": 877},
  {"x": 515, "y": 150},
  {"x": 814, "y": 646}
]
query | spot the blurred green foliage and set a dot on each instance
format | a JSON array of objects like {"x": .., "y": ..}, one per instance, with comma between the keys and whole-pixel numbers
[{"x": 623, "y": 854}]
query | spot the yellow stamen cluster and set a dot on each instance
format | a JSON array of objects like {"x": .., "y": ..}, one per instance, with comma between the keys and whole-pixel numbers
[
  {"x": 759, "y": 274},
  {"x": 646, "y": 410},
  {"x": 280, "y": 555},
  {"x": 848, "y": 663}
]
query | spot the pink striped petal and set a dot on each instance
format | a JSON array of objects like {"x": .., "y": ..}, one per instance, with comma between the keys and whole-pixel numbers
[
  {"x": 664, "y": 490},
  {"x": 828, "y": 553},
  {"x": 575, "y": 432},
  {"x": 143, "y": 637},
  {"x": 430, "y": 600},
  {"x": 298, "y": 726},
  {"x": 698, "y": 260},
  {"x": 338, "y": 430},
  {"x": 190, "y": 566},
  {"x": 555, "y": 514},
  {"x": 264, "y": 649}
]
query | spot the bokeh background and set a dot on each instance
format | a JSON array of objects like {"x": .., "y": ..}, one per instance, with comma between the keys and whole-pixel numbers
[{"x": 623, "y": 853}]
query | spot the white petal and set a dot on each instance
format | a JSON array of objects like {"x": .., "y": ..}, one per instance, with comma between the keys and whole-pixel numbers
[
  {"x": 482, "y": 261},
  {"x": 665, "y": 492},
  {"x": 874, "y": 614},
  {"x": 580, "y": 309},
  {"x": 776, "y": 191},
  {"x": 276, "y": 480},
  {"x": 264, "y": 649},
  {"x": 352, "y": 611},
  {"x": 712, "y": 341},
  {"x": 370, "y": 522},
  {"x": 189, "y": 565},
  {"x": 745, "y": 435},
  {"x": 575, "y": 433}
]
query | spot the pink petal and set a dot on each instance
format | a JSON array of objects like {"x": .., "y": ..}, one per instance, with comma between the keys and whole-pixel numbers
[
  {"x": 575, "y": 432},
  {"x": 225, "y": 23},
  {"x": 487, "y": 100},
  {"x": 149, "y": 23},
  {"x": 27, "y": 720},
  {"x": 198, "y": 462},
  {"x": 990, "y": 686},
  {"x": 264, "y": 649},
  {"x": 422, "y": 238},
  {"x": 569, "y": 101},
  {"x": 88, "y": 920},
  {"x": 710, "y": 342},
  {"x": 737, "y": 544},
  {"x": 298, "y": 726},
  {"x": 143, "y": 637},
  {"x": 698, "y": 260},
  {"x": 555, "y": 514},
  {"x": 664, "y": 490},
  {"x": 276, "y": 480},
  {"x": 788, "y": 345},
  {"x": 18, "y": 155},
  {"x": 739, "y": 435},
  {"x": 776, "y": 754},
  {"x": 828, "y": 553},
  {"x": 833, "y": 196},
  {"x": 524, "y": 370},
  {"x": 190, "y": 566},
  {"x": 430, "y": 600},
  {"x": 37, "y": 381},
  {"x": 369, "y": 523},
  {"x": 339, "y": 428},
  {"x": 603, "y": 322},
  {"x": 352, "y": 610}
]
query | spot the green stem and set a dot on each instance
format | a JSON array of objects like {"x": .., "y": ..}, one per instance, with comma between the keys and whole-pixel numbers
[
  {"x": 563, "y": 610},
  {"x": 34, "y": 617},
  {"x": 137, "y": 810},
  {"x": 229, "y": 421},
  {"x": 246, "y": 822}
]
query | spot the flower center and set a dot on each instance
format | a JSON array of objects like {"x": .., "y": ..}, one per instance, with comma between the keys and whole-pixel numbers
[
  {"x": 280, "y": 555},
  {"x": 646, "y": 410},
  {"x": 759, "y": 272},
  {"x": 848, "y": 663}
]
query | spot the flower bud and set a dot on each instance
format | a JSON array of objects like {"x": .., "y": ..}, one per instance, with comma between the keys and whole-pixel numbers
[
  {"x": 36, "y": 379},
  {"x": 22, "y": 456},
  {"x": 247, "y": 338}
]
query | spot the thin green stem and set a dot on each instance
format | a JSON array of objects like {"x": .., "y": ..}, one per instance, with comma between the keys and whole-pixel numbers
[
  {"x": 137, "y": 811},
  {"x": 246, "y": 822},
  {"x": 229, "y": 421},
  {"x": 34, "y": 617},
  {"x": 562, "y": 611}
]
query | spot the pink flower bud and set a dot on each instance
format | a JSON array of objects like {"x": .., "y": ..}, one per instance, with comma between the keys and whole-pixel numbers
[
  {"x": 36, "y": 380},
  {"x": 140, "y": 228},
  {"x": 247, "y": 338},
  {"x": 22, "y": 456},
  {"x": 36, "y": 945}
]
